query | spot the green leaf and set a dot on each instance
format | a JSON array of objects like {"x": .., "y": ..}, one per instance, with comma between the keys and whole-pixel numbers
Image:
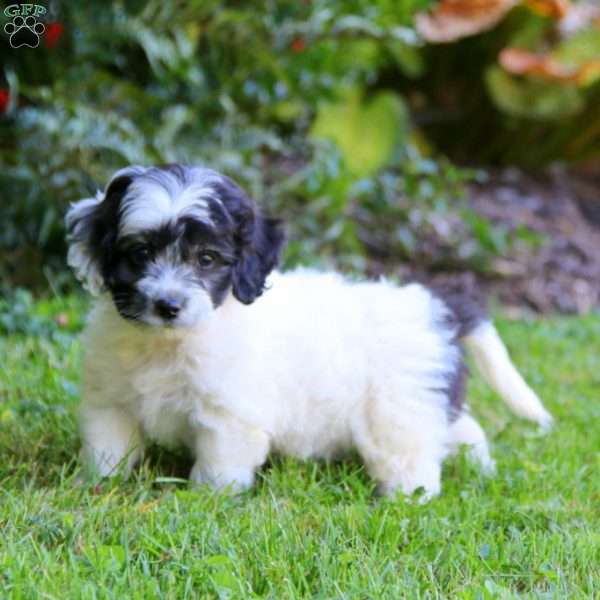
[
  {"x": 108, "y": 557},
  {"x": 218, "y": 560},
  {"x": 225, "y": 580},
  {"x": 409, "y": 59},
  {"x": 532, "y": 98},
  {"x": 581, "y": 49},
  {"x": 366, "y": 131}
]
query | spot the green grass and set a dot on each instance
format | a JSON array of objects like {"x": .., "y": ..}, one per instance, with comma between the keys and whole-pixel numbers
[{"x": 307, "y": 530}]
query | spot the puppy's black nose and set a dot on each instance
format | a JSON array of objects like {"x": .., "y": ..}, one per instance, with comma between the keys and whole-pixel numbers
[{"x": 167, "y": 308}]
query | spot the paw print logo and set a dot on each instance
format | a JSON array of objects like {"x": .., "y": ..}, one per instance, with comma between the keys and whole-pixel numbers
[{"x": 24, "y": 31}]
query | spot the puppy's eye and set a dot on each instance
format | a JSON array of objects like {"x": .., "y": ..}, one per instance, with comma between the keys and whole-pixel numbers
[
  {"x": 207, "y": 259},
  {"x": 139, "y": 255}
]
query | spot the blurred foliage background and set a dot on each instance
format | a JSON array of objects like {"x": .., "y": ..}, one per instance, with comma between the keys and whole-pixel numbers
[{"x": 360, "y": 122}]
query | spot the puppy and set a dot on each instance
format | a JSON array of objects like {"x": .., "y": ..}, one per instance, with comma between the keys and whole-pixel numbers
[{"x": 182, "y": 347}]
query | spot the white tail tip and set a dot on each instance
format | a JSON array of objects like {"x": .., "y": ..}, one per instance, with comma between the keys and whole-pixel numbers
[{"x": 498, "y": 370}]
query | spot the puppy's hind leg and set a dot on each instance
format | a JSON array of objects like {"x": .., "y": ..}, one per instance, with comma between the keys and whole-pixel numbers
[
  {"x": 403, "y": 454},
  {"x": 467, "y": 431}
]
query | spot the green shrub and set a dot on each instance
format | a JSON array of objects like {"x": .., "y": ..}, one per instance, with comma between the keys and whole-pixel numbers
[{"x": 310, "y": 105}]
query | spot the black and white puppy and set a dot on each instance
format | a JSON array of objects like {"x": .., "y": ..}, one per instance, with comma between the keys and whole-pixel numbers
[{"x": 179, "y": 348}]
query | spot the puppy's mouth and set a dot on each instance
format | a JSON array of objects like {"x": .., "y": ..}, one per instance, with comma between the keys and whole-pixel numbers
[
  {"x": 153, "y": 323},
  {"x": 152, "y": 319}
]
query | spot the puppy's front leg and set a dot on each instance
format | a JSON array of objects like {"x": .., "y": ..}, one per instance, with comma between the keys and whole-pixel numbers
[
  {"x": 228, "y": 454},
  {"x": 110, "y": 439}
]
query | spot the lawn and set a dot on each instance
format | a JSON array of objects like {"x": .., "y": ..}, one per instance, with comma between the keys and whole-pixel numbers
[{"x": 307, "y": 530}]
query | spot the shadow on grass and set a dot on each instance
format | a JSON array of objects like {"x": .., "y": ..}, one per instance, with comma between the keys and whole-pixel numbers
[{"x": 53, "y": 460}]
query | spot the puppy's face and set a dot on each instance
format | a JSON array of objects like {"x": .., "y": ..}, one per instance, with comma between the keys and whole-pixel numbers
[{"x": 169, "y": 243}]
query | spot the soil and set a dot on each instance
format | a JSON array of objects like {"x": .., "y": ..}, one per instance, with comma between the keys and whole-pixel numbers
[{"x": 562, "y": 272}]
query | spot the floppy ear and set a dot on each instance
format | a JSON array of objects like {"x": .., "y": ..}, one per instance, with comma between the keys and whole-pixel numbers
[
  {"x": 92, "y": 228},
  {"x": 259, "y": 242},
  {"x": 261, "y": 239}
]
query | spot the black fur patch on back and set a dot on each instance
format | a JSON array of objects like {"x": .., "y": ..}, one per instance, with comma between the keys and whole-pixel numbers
[
  {"x": 467, "y": 308},
  {"x": 457, "y": 388}
]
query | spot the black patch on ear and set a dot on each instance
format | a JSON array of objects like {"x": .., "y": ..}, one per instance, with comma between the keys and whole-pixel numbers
[
  {"x": 259, "y": 241},
  {"x": 97, "y": 228},
  {"x": 258, "y": 258}
]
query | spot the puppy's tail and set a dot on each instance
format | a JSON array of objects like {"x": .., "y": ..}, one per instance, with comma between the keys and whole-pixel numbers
[{"x": 492, "y": 359}]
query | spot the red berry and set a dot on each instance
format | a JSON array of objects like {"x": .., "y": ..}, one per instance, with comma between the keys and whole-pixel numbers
[
  {"x": 298, "y": 44},
  {"x": 53, "y": 33},
  {"x": 4, "y": 99}
]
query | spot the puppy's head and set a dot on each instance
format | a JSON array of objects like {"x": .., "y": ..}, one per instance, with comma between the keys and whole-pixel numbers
[{"x": 170, "y": 242}]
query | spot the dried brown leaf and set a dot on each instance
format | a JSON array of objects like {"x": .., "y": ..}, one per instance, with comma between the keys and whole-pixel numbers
[
  {"x": 556, "y": 9},
  {"x": 454, "y": 19},
  {"x": 523, "y": 62}
]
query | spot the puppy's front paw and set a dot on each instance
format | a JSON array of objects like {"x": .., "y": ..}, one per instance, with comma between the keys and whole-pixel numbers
[{"x": 227, "y": 479}]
